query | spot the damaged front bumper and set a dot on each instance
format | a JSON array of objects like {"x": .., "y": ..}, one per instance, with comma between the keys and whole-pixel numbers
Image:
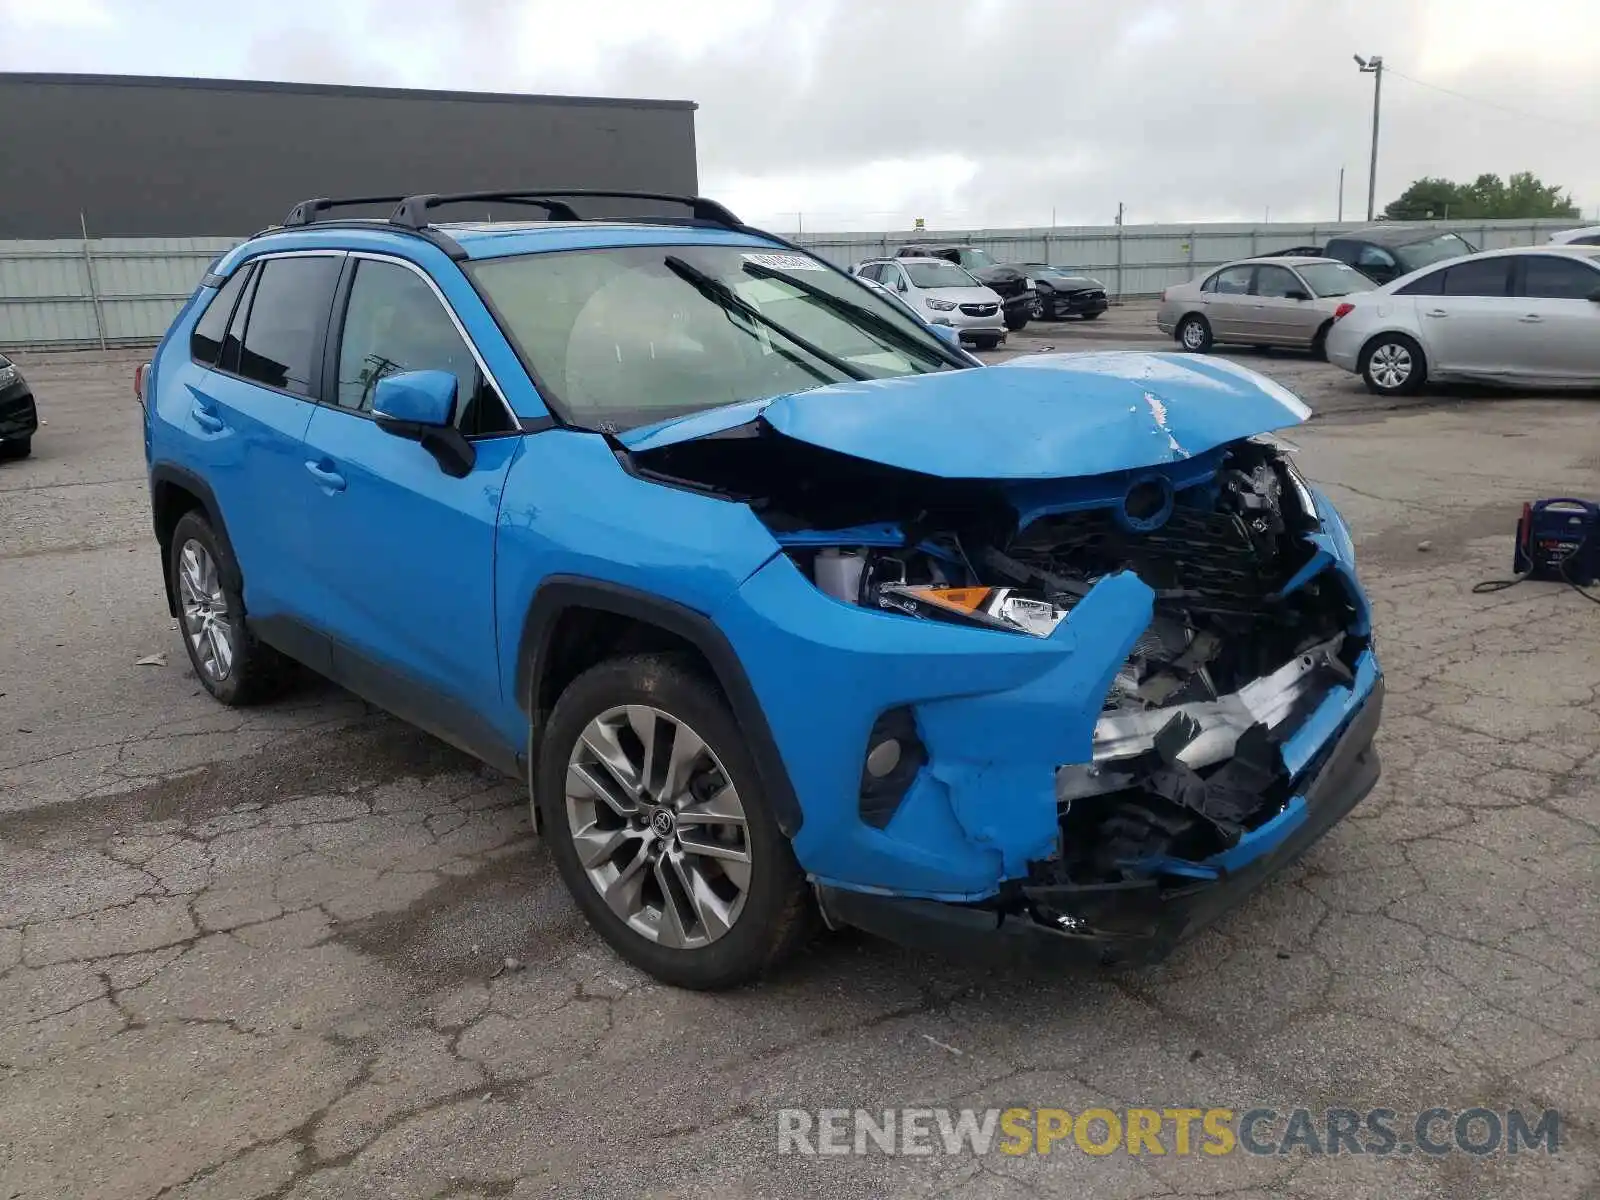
[{"x": 1141, "y": 921}]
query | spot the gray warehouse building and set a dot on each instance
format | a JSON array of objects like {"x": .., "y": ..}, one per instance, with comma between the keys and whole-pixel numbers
[{"x": 156, "y": 157}]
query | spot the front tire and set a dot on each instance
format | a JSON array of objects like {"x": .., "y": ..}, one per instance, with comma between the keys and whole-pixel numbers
[
  {"x": 1194, "y": 334},
  {"x": 1091, "y": 316},
  {"x": 987, "y": 342},
  {"x": 656, "y": 818},
  {"x": 16, "y": 448},
  {"x": 1393, "y": 365},
  {"x": 1017, "y": 319},
  {"x": 228, "y": 660}
]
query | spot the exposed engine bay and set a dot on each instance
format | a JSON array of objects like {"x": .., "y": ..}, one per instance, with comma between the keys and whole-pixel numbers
[{"x": 1243, "y": 644}]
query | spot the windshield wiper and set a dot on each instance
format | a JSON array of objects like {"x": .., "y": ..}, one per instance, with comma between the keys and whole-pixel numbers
[
  {"x": 863, "y": 316},
  {"x": 720, "y": 294}
]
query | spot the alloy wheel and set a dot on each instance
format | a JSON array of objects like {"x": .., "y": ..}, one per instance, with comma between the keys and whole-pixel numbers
[
  {"x": 1390, "y": 365},
  {"x": 1194, "y": 336},
  {"x": 206, "y": 622},
  {"x": 658, "y": 826}
]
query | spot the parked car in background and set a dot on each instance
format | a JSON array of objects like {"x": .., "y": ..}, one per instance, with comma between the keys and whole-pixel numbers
[
  {"x": 19, "y": 415},
  {"x": 1062, "y": 292},
  {"x": 1008, "y": 281},
  {"x": 941, "y": 293},
  {"x": 1577, "y": 237},
  {"x": 1520, "y": 316},
  {"x": 946, "y": 333},
  {"x": 1261, "y": 302},
  {"x": 1386, "y": 252}
]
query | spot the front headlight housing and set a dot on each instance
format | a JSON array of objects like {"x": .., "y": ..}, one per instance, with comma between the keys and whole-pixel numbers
[
  {"x": 939, "y": 305},
  {"x": 9, "y": 375}
]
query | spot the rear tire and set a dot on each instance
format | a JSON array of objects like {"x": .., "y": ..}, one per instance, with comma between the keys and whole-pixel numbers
[
  {"x": 16, "y": 448},
  {"x": 1392, "y": 364},
  {"x": 1194, "y": 334},
  {"x": 230, "y": 663},
  {"x": 696, "y": 902}
]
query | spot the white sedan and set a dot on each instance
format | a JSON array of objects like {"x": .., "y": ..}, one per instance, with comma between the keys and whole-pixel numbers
[{"x": 1528, "y": 316}]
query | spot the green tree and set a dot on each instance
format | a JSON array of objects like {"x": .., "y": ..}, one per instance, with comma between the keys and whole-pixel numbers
[{"x": 1488, "y": 197}]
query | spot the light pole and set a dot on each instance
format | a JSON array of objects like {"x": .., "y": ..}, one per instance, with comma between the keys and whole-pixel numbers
[{"x": 1373, "y": 66}]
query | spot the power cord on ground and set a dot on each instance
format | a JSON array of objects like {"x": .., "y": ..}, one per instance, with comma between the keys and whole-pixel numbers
[{"x": 1500, "y": 585}]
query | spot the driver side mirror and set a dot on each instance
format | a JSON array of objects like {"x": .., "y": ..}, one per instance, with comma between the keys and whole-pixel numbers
[
  {"x": 1297, "y": 294},
  {"x": 419, "y": 406},
  {"x": 946, "y": 333},
  {"x": 900, "y": 283},
  {"x": 1595, "y": 295}
]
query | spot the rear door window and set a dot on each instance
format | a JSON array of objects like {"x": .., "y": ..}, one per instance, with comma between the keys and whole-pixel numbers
[
  {"x": 1276, "y": 282},
  {"x": 1234, "y": 281},
  {"x": 1431, "y": 284},
  {"x": 1482, "y": 277},
  {"x": 287, "y": 320},
  {"x": 205, "y": 343}
]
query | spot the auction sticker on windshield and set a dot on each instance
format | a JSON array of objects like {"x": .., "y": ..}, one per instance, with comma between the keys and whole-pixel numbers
[{"x": 785, "y": 262}]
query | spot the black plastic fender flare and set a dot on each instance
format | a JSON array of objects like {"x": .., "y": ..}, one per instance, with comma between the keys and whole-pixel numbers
[{"x": 557, "y": 594}]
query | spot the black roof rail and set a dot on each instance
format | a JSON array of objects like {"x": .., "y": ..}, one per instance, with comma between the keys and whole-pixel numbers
[
  {"x": 412, "y": 211},
  {"x": 307, "y": 211}
]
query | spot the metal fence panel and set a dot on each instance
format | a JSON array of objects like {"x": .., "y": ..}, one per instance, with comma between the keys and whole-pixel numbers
[{"x": 117, "y": 291}]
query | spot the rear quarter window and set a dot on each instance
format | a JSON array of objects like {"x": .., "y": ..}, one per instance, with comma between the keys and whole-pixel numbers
[{"x": 205, "y": 343}]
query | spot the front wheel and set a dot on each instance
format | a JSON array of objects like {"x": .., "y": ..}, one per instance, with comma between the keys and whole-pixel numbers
[
  {"x": 16, "y": 448},
  {"x": 988, "y": 341},
  {"x": 1091, "y": 316},
  {"x": 657, "y": 821},
  {"x": 1393, "y": 365},
  {"x": 1194, "y": 334},
  {"x": 1017, "y": 318}
]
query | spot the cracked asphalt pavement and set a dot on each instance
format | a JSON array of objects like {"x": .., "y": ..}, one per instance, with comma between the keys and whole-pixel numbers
[{"x": 305, "y": 951}]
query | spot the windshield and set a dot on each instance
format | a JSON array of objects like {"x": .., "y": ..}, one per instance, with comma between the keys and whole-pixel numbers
[
  {"x": 938, "y": 274},
  {"x": 975, "y": 258},
  {"x": 627, "y": 336},
  {"x": 1334, "y": 279},
  {"x": 1435, "y": 249}
]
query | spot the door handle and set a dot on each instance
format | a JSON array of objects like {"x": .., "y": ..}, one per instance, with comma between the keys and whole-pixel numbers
[
  {"x": 206, "y": 417},
  {"x": 1436, "y": 312},
  {"x": 325, "y": 475},
  {"x": 1530, "y": 318}
]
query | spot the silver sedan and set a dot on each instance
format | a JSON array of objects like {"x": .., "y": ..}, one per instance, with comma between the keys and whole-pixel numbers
[
  {"x": 1528, "y": 316},
  {"x": 1280, "y": 301}
]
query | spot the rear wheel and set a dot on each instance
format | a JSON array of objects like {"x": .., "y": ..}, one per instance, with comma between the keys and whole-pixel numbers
[
  {"x": 16, "y": 448},
  {"x": 227, "y": 659},
  {"x": 1194, "y": 334},
  {"x": 658, "y": 823},
  {"x": 1393, "y": 365}
]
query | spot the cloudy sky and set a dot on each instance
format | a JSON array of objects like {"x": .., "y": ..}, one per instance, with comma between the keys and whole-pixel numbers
[{"x": 986, "y": 113}]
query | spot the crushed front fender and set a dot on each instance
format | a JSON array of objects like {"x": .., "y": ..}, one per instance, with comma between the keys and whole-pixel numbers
[{"x": 998, "y": 712}]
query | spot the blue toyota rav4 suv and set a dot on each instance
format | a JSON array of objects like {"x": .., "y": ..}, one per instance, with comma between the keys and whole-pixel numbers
[{"x": 784, "y": 608}]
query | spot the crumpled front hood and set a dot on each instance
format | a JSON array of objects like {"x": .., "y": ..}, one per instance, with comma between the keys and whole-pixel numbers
[{"x": 1041, "y": 417}]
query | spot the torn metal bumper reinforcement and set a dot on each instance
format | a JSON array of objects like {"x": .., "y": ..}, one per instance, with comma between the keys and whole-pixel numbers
[{"x": 1135, "y": 921}]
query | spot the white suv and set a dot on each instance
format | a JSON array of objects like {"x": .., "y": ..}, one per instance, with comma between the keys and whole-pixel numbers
[{"x": 942, "y": 294}]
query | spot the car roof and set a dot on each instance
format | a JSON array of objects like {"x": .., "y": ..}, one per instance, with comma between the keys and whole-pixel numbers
[
  {"x": 1585, "y": 231},
  {"x": 483, "y": 240},
  {"x": 1564, "y": 251},
  {"x": 1392, "y": 235}
]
